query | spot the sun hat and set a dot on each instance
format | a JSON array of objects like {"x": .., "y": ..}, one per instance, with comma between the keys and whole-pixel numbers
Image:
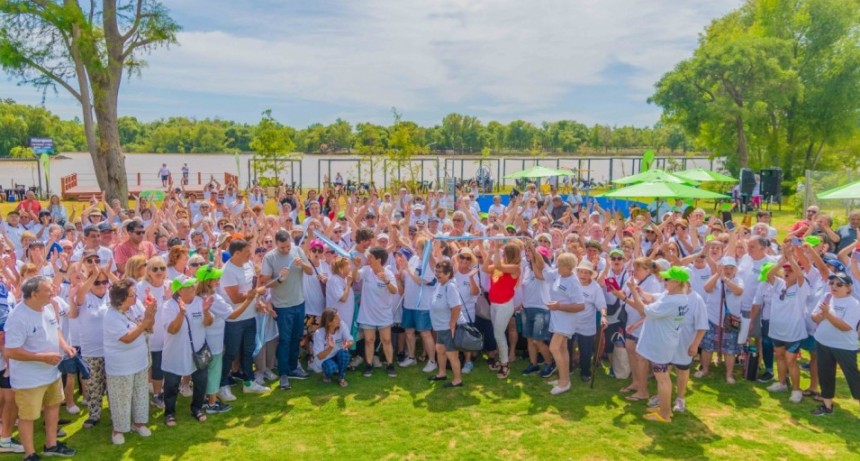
[{"x": 586, "y": 265}]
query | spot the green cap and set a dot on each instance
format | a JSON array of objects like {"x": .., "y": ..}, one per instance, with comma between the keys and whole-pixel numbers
[
  {"x": 676, "y": 273},
  {"x": 765, "y": 270},
  {"x": 341, "y": 214},
  {"x": 510, "y": 227},
  {"x": 208, "y": 272},
  {"x": 710, "y": 237},
  {"x": 183, "y": 281},
  {"x": 616, "y": 251},
  {"x": 812, "y": 240}
]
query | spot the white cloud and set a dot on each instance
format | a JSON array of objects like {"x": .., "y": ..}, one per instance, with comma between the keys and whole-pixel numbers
[{"x": 501, "y": 58}]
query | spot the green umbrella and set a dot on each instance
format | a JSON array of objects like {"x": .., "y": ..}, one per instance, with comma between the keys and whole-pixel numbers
[
  {"x": 704, "y": 175},
  {"x": 153, "y": 195},
  {"x": 655, "y": 175},
  {"x": 537, "y": 171},
  {"x": 662, "y": 190},
  {"x": 846, "y": 192}
]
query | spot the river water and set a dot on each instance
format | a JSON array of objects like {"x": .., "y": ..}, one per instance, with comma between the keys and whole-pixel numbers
[{"x": 310, "y": 170}]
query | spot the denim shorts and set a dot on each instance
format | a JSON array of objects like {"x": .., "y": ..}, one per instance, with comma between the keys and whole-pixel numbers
[
  {"x": 536, "y": 325},
  {"x": 417, "y": 320},
  {"x": 808, "y": 344},
  {"x": 791, "y": 347},
  {"x": 363, "y": 326}
]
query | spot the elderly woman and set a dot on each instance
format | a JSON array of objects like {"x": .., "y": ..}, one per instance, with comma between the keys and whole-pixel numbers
[
  {"x": 186, "y": 317},
  {"x": 565, "y": 301},
  {"x": 838, "y": 317},
  {"x": 208, "y": 278},
  {"x": 468, "y": 283},
  {"x": 331, "y": 346},
  {"x": 155, "y": 282},
  {"x": 661, "y": 332},
  {"x": 445, "y": 310},
  {"x": 177, "y": 260},
  {"x": 135, "y": 267},
  {"x": 724, "y": 290},
  {"x": 89, "y": 308},
  {"x": 127, "y": 359}
]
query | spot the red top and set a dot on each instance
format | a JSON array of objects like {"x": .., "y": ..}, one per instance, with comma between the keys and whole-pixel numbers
[{"x": 501, "y": 287}]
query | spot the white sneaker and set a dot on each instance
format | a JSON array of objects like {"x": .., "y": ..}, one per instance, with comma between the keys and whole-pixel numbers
[
  {"x": 356, "y": 361},
  {"x": 73, "y": 409},
  {"x": 431, "y": 366},
  {"x": 699, "y": 374},
  {"x": 777, "y": 387},
  {"x": 117, "y": 438},
  {"x": 407, "y": 362},
  {"x": 254, "y": 388},
  {"x": 556, "y": 390},
  {"x": 143, "y": 431},
  {"x": 468, "y": 367},
  {"x": 226, "y": 394},
  {"x": 796, "y": 397},
  {"x": 680, "y": 406},
  {"x": 269, "y": 376},
  {"x": 376, "y": 362},
  {"x": 185, "y": 390}
]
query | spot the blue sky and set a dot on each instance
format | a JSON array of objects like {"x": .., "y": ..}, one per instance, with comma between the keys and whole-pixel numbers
[{"x": 594, "y": 61}]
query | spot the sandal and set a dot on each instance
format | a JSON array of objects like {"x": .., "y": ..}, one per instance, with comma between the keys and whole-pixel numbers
[
  {"x": 437, "y": 378},
  {"x": 90, "y": 423},
  {"x": 503, "y": 372},
  {"x": 170, "y": 420},
  {"x": 655, "y": 416},
  {"x": 493, "y": 364},
  {"x": 635, "y": 398},
  {"x": 810, "y": 393},
  {"x": 200, "y": 416},
  {"x": 343, "y": 383},
  {"x": 627, "y": 389}
]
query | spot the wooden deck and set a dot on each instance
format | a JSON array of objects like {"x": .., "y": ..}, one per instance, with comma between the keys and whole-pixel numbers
[{"x": 72, "y": 191}]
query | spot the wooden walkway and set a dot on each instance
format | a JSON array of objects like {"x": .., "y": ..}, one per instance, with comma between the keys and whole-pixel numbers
[{"x": 72, "y": 191}]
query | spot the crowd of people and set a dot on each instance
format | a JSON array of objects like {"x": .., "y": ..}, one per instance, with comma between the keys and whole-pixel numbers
[{"x": 206, "y": 296}]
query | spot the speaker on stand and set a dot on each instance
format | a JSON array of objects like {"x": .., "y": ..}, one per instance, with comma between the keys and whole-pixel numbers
[
  {"x": 747, "y": 185},
  {"x": 771, "y": 185}
]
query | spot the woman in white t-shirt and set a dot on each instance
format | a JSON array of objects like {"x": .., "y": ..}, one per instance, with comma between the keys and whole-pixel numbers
[
  {"x": 375, "y": 311},
  {"x": 445, "y": 315},
  {"x": 127, "y": 359},
  {"x": 467, "y": 279},
  {"x": 725, "y": 290},
  {"x": 89, "y": 308},
  {"x": 838, "y": 318},
  {"x": 661, "y": 333},
  {"x": 207, "y": 282},
  {"x": 155, "y": 280},
  {"x": 186, "y": 317},
  {"x": 565, "y": 301}
]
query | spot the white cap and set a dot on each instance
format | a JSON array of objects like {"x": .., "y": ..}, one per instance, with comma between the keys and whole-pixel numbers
[{"x": 728, "y": 261}]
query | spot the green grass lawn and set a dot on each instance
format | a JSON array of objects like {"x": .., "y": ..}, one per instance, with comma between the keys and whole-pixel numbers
[{"x": 409, "y": 418}]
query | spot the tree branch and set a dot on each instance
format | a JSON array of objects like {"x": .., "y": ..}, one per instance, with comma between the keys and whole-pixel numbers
[
  {"x": 52, "y": 76},
  {"x": 138, "y": 15}
]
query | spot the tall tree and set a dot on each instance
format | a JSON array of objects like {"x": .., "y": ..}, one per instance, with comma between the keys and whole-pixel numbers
[
  {"x": 272, "y": 144},
  {"x": 84, "y": 49}
]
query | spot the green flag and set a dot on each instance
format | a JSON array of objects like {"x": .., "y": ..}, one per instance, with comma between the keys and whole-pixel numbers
[
  {"x": 647, "y": 160},
  {"x": 45, "y": 160}
]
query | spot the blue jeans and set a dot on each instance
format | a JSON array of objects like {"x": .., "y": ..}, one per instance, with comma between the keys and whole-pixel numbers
[
  {"x": 239, "y": 337},
  {"x": 291, "y": 327},
  {"x": 336, "y": 364}
]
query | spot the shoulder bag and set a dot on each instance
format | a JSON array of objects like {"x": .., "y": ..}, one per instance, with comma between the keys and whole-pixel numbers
[{"x": 201, "y": 357}]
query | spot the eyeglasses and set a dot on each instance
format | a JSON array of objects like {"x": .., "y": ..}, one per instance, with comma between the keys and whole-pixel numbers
[
  {"x": 99, "y": 283},
  {"x": 195, "y": 264},
  {"x": 93, "y": 261},
  {"x": 338, "y": 231},
  {"x": 329, "y": 252},
  {"x": 158, "y": 268},
  {"x": 617, "y": 258},
  {"x": 836, "y": 283},
  {"x": 268, "y": 241}
]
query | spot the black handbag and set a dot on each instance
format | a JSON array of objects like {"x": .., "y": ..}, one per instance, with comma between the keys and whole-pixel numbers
[
  {"x": 203, "y": 357},
  {"x": 467, "y": 337}
]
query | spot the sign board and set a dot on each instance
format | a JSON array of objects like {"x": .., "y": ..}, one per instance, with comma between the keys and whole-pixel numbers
[{"x": 42, "y": 145}]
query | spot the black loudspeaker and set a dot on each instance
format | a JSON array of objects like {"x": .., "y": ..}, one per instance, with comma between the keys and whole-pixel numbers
[
  {"x": 747, "y": 181},
  {"x": 771, "y": 183}
]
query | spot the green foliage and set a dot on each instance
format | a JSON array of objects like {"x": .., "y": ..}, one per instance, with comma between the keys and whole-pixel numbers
[
  {"x": 774, "y": 83},
  {"x": 19, "y": 123},
  {"x": 272, "y": 144}
]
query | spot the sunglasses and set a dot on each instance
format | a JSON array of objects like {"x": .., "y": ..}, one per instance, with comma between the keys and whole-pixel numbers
[
  {"x": 195, "y": 264},
  {"x": 139, "y": 232},
  {"x": 99, "y": 283},
  {"x": 617, "y": 258},
  {"x": 93, "y": 261},
  {"x": 836, "y": 283},
  {"x": 316, "y": 250},
  {"x": 268, "y": 241},
  {"x": 329, "y": 252},
  {"x": 338, "y": 231},
  {"x": 158, "y": 268}
]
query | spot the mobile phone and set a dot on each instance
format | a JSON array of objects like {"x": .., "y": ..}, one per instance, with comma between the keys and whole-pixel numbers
[
  {"x": 612, "y": 284},
  {"x": 515, "y": 193},
  {"x": 730, "y": 225},
  {"x": 827, "y": 298}
]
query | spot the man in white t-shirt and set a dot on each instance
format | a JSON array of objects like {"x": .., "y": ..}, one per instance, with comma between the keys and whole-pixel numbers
[
  {"x": 240, "y": 334},
  {"x": 35, "y": 346}
]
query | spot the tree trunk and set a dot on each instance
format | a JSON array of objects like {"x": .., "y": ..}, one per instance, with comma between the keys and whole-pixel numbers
[
  {"x": 108, "y": 158},
  {"x": 743, "y": 153}
]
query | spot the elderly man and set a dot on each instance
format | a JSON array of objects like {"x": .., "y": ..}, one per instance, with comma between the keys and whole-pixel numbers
[{"x": 34, "y": 347}]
